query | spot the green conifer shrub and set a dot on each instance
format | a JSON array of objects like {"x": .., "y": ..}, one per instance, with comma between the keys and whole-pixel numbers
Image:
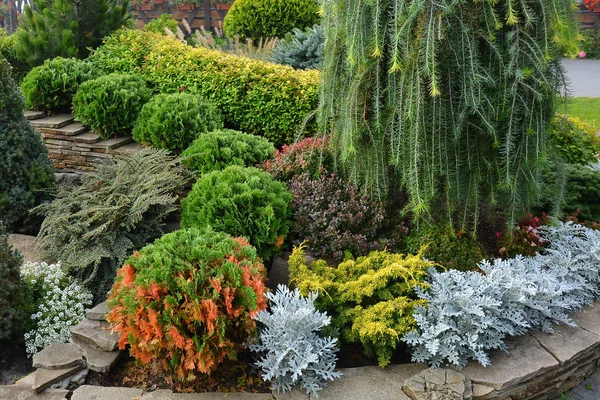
[
  {"x": 51, "y": 87},
  {"x": 14, "y": 307},
  {"x": 26, "y": 174},
  {"x": 7, "y": 50},
  {"x": 243, "y": 202},
  {"x": 173, "y": 121},
  {"x": 188, "y": 300},
  {"x": 110, "y": 104},
  {"x": 261, "y": 98},
  {"x": 447, "y": 100},
  {"x": 574, "y": 140},
  {"x": 302, "y": 49},
  {"x": 370, "y": 300},
  {"x": 442, "y": 245},
  {"x": 93, "y": 227},
  {"x": 258, "y": 19},
  {"x": 219, "y": 149},
  {"x": 67, "y": 28}
]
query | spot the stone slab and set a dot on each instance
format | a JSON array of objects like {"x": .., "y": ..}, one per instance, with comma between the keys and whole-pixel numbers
[
  {"x": 567, "y": 342},
  {"x": 87, "y": 392},
  {"x": 364, "y": 383},
  {"x": 54, "y": 121},
  {"x": 525, "y": 359},
  {"x": 114, "y": 142},
  {"x": 97, "y": 360},
  {"x": 58, "y": 356},
  {"x": 589, "y": 319},
  {"x": 22, "y": 392},
  {"x": 98, "y": 313},
  {"x": 31, "y": 115},
  {"x": 27, "y": 380},
  {"x": 74, "y": 128},
  {"x": 44, "y": 378},
  {"x": 96, "y": 333},
  {"x": 85, "y": 138}
]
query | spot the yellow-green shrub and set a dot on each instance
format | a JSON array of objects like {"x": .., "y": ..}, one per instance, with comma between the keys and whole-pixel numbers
[
  {"x": 370, "y": 299},
  {"x": 256, "y": 97}
]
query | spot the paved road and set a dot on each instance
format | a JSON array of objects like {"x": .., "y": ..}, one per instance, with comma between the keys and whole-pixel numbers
[
  {"x": 584, "y": 77},
  {"x": 588, "y": 390}
]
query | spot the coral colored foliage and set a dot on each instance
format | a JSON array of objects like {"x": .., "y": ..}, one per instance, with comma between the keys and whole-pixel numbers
[{"x": 188, "y": 300}]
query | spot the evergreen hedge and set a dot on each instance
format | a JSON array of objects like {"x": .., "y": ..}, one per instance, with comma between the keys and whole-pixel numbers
[{"x": 256, "y": 97}]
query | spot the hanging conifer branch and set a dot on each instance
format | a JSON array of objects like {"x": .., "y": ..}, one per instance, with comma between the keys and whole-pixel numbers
[{"x": 455, "y": 95}]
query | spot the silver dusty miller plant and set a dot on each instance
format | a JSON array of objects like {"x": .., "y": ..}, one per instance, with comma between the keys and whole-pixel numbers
[
  {"x": 290, "y": 345},
  {"x": 470, "y": 313}
]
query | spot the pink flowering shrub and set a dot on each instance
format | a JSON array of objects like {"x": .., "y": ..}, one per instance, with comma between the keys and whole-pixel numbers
[{"x": 526, "y": 238}]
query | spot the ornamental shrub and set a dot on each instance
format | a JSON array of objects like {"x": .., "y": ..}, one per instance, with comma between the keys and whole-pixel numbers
[
  {"x": 244, "y": 202},
  {"x": 574, "y": 140},
  {"x": 370, "y": 300},
  {"x": 219, "y": 149},
  {"x": 158, "y": 25},
  {"x": 470, "y": 313},
  {"x": 26, "y": 174},
  {"x": 313, "y": 156},
  {"x": 109, "y": 105},
  {"x": 292, "y": 345},
  {"x": 571, "y": 188},
  {"x": 93, "y": 227},
  {"x": 15, "y": 307},
  {"x": 441, "y": 244},
  {"x": 303, "y": 49},
  {"x": 173, "y": 121},
  {"x": 255, "y": 97},
  {"x": 60, "y": 303},
  {"x": 332, "y": 216},
  {"x": 51, "y": 87},
  {"x": 7, "y": 50},
  {"x": 258, "y": 19},
  {"x": 188, "y": 300}
]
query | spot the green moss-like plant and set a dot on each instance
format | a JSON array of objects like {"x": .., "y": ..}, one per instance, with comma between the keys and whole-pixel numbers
[
  {"x": 441, "y": 244},
  {"x": 257, "y": 19},
  {"x": 110, "y": 104},
  {"x": 51, "y": 87},
  {"x": 219, "y": 149},
  {"x": 244, "y": 202},
  {"x": 370, "y": 300},
  {"x": 173, "y": 121},
  {"x": 26, "y": 174},
  {"x": 188, "y": 300}
]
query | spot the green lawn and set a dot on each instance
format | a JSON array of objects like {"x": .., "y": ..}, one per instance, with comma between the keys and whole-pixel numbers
[{"x": 586, "y": 109}]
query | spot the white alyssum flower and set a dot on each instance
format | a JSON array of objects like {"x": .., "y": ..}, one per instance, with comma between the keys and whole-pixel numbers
[{"x": 62, "y": 305}]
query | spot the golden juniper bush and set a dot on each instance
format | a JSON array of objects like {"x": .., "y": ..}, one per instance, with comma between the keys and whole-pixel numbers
[{"x": 370, "y": 299}]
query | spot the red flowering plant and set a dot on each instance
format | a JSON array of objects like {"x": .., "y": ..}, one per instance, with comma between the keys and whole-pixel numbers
[
  {"x": 591, "y": 4},
  {"x": 525, "y": 239},
  {"x": 310, "y": 155},
  {"x": 188, "y": 301}
]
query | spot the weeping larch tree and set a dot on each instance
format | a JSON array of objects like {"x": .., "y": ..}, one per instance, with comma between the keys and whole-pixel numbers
[{"x": 447, "y": 99}]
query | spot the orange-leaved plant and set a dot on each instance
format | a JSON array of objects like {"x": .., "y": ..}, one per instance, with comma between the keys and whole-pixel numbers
[{"x": 188, "y": 300}]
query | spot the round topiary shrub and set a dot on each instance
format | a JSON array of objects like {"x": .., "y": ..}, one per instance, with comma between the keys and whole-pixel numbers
[
  {"x": 245, "y": 202},
  {"x": 187, "y": 301},
  {"x": 109, "y": 105},
  {"x": 219, "y": 149},
  {"x": 172, "y": 121},
  {"x": 257, "y": 19},
  {"x": 51, "y": 87}
]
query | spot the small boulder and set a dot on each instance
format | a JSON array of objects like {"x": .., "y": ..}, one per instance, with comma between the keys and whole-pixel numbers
[{"x": 58, "y": 356}]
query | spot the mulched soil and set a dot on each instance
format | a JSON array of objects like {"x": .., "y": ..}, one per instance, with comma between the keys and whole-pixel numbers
[
  {"x": 14, "y": 363},
  {"x": 352, "y": 356},
  {"x": 231, "y": 376}
]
